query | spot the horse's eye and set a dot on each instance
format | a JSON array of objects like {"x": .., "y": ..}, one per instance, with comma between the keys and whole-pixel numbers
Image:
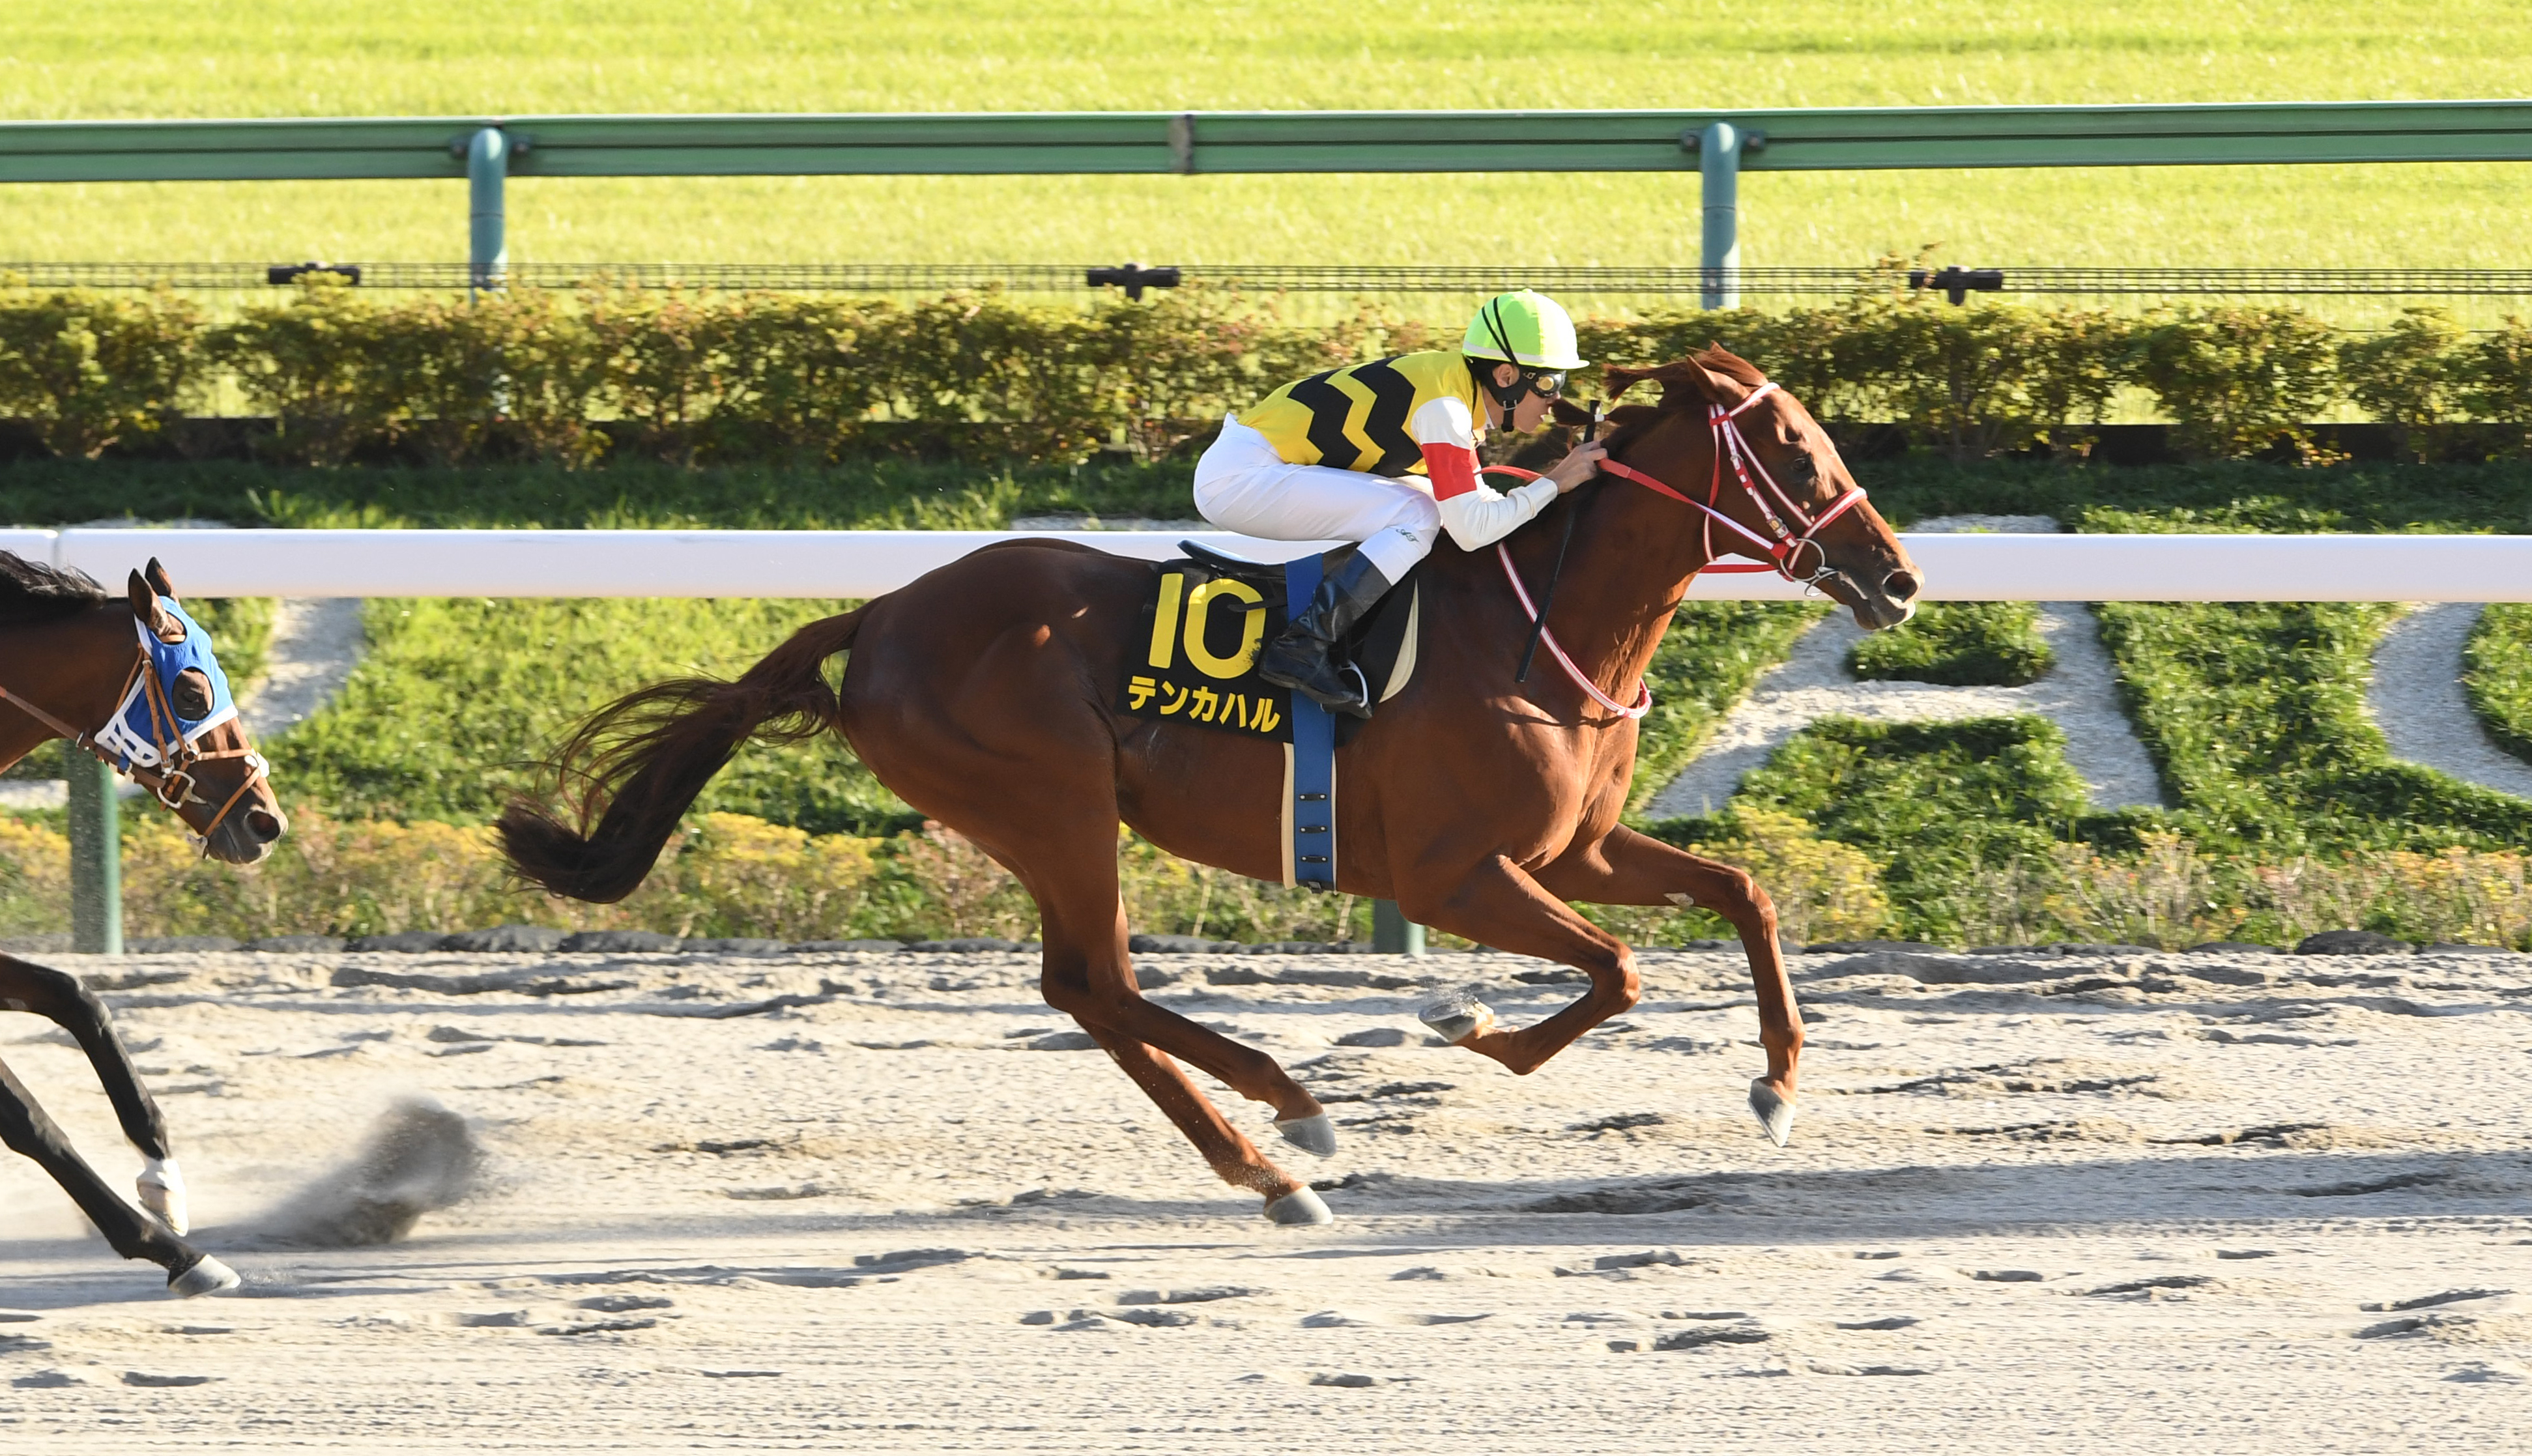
[{"x": 190, "y": 694}]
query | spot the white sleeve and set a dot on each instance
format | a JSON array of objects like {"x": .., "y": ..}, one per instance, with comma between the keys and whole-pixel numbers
[
  {"x": 1481, "y": 517},
  {"x": 1445, "y": 421}
]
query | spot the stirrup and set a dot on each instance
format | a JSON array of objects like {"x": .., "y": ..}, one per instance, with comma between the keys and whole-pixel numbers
[{"x": 1356, "y": 703}]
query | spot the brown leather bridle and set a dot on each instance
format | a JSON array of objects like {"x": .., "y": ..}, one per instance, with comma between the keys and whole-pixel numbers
[{"x": 173, "y": 781}]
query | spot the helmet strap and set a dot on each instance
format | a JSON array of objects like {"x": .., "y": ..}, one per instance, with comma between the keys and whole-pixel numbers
[{"x": 1507, "y": 396}]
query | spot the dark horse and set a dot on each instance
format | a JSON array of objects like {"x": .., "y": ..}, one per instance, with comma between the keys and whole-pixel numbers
[
  {"x": 74, "y": 665},
  {"x": 983, "y": 692}
]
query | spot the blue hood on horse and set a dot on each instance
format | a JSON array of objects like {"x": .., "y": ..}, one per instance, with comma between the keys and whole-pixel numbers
[{"x": 138, "y": 728}]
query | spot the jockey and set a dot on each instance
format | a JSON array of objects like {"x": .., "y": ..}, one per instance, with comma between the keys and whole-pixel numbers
[{"x": 1385, "y": 454}]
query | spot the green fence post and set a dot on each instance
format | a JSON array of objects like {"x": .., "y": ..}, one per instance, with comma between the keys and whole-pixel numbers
[
  {"x": 97, "y": 859},
  {"x": 1719, "y": 166},
  {"x": 488, "y": 170},
  {"x": 1392, "y": 932}
]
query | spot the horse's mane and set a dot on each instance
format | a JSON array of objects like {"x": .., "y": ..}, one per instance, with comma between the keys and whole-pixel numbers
[{"x": 33, "y": 594}]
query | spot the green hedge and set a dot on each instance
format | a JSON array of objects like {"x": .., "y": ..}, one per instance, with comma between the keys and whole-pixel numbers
[{"x": 573, "y": 377}]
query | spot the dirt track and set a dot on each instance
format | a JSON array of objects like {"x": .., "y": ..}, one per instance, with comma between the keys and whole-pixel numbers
[{"x": 874, "y": 1201}]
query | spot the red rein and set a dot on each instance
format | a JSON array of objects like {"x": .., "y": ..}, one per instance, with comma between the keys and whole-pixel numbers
[{"x": 1779, "y": 553}]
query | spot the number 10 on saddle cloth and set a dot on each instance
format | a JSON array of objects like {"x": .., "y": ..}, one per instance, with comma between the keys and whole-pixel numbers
[{"x": 1195, "y": 658}]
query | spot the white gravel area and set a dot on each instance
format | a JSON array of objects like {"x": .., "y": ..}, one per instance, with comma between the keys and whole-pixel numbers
[
  {"x": 317, "y": 642},
  {"x": 2417, "y": 698},
  {"x": 35, "y": 793},
  {"x": 2080, "y": 694}
]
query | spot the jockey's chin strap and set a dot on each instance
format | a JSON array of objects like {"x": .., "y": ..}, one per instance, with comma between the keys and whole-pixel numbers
[
  {"x": 1781, "y": 553},
  {"x": 173, "y": 781},
  {"x": 1774, "y": 506}
]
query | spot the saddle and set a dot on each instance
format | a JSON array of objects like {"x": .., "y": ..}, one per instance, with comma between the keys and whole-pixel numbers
[{"x": 1193, "y": 656}]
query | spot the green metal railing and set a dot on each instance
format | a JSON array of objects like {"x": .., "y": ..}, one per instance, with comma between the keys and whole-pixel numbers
[{"x": 1718, "y": 146}]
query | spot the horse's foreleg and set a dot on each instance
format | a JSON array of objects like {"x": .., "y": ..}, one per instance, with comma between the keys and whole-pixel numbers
[
  {"x": 1630, "y": 868},
  {"x": 1499, "y": 905},
  {"x": 26, "y": 1129},
  {"x": 59, "y": 997}
]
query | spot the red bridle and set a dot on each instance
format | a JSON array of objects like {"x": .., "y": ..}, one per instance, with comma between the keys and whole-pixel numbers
[
  {"x": 1780, "y": 554},
  {"x": 1730, "y": 444}
]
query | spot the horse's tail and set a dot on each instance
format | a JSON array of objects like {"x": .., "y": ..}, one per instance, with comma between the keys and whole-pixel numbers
[{"x": 636, "y": 764}]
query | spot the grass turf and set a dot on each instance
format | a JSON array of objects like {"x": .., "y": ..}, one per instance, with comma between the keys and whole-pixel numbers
[
  {"x": 2497, "y": 674},
  {"x": 1961, "y": 644},
  {"x": 84, "y": 59},
  {"x": 2236, "y": 495},
  {"x": 458, "y": 697}
]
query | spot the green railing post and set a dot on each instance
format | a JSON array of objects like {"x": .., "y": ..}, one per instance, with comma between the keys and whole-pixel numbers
[
  {"x": 488, "y": 171},
  {"x": 97, "y": 859},
  {"x": 1392, "y": 932},
  {"x": 1718, "y": 165}
]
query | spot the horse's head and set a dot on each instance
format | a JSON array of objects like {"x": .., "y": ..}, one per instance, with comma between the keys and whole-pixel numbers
[
  {"x": 1796, "y": 492},
  {"x": 177, "y": 724}
]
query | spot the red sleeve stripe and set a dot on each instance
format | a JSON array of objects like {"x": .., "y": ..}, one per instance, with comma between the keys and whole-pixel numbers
[{"x": 1453, "y": 470}]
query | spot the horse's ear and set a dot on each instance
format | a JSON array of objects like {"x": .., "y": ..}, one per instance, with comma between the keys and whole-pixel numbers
[
  {"x": 147, "y": 610},
  {"x": 1731, "y": 365},
  {"x": 156, "y": 575},
  {"x": 1568, "y": 413},
  {"x": 1684, "y": 376}
]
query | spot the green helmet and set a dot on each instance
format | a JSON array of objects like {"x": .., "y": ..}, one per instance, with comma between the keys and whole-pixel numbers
[{"x": 1526, "y": 328}]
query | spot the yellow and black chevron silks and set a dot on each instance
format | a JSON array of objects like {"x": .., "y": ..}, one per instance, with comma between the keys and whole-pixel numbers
[{"x": 1356, "y": 419}]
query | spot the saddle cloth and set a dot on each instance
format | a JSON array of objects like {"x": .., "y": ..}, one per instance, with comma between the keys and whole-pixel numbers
[{"x": 1193, "y": 655}]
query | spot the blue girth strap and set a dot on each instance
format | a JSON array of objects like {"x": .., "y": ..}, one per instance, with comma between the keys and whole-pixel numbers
[{"x": 1312, "y": 814}]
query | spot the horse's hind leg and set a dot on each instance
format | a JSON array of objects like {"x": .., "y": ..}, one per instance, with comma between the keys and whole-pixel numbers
[
  {"x": 61, "y": 998},
  {"x": 26, "y": 1129},
  {"x": 1089, "y": 977}
]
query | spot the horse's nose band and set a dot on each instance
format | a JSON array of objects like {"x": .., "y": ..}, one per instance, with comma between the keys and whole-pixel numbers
[{"x": 1782, "y": 554}]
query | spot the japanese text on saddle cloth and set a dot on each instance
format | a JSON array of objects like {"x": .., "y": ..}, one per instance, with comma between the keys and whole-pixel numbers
[
  {"x": 1193, "y": 657},
  {"x": 1200, "y": 641}
]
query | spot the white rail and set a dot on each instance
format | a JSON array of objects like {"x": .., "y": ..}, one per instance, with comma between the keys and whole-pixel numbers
[{"x": 866, "y": 563}]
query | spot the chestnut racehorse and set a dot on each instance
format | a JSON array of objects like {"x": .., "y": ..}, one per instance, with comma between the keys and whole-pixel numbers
[
  {"x": 70, "y": 665},
  {"x": 983, "y": 694}
]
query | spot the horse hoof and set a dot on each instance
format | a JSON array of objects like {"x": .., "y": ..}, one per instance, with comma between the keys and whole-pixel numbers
[
  {"x": 1775, "y": 1111},
  {"x": 1311, "y": 1133},
  {"x": 1457, "y": 1017},
  {"x": 204, "y": 1275},
  {"x": 163, "y": 1193},
  {"x": 1301, "y": 1205}
]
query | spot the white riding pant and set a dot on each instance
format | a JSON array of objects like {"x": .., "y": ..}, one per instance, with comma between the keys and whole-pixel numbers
[{"x": 1241, "y": 485}]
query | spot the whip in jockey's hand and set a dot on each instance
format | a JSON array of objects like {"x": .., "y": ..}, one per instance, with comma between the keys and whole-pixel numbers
[{"x": 1385, "y": 454}]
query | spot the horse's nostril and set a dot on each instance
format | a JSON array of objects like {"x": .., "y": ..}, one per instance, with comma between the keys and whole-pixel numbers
[
  {"x": 264, "y": 826},
  {"x": 1901, "y": 585}
]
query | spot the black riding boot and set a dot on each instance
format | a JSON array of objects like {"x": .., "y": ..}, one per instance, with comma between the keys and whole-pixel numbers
[{"x": 1303, "y": 658}]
